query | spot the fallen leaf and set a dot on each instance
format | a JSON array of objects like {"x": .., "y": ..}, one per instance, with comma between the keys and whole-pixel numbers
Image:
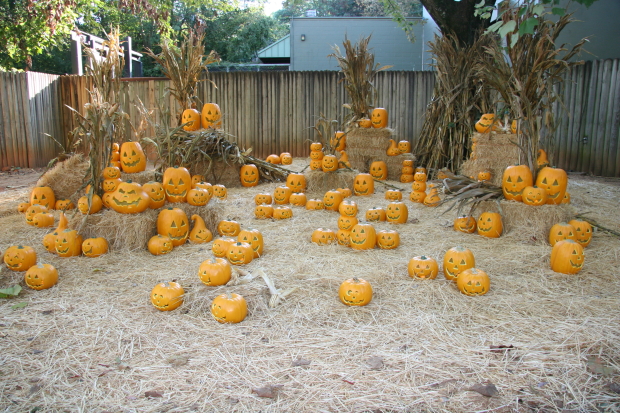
[
  {"x": 301, "y": 362},
  {"x": 595, "y": 365},
  {"x": 375, "y": 363},
  {"x": 153, "y": 393},
  {"x": 270, "y": 390},
  {"x": 488, "y": 390},
  {"x": 35, "y": 388},
  {"x": 120, "y": 364},
  {"x": 11, "y": 291},
  {"x": 178, "y": 360},
  {"x": 501, "y": 348},
  {"x": 348, "y": 382},
  {"x": 19, "y": 305}
]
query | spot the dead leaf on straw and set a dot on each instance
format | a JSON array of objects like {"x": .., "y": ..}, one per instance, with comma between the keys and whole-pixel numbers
[
  {"x": 178, "y": 361},
  {"x": 301, "y": 362},
  {"x": 153, "y": 393},
  {"x": 595, "y": 365},
  {"x": 375, "y": 363},
  {"x": 270, "y": 390},
  {"x": 501, "y": 348},
  {"x": 488, "y": 390},
  {"x": 120, "y": 364}
]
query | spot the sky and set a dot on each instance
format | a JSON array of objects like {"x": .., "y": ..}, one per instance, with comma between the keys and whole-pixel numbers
[{"x": 272, "y": 5}]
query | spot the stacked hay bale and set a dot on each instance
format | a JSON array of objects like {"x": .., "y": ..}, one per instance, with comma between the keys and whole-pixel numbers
[{"x": 492, "y": 152}]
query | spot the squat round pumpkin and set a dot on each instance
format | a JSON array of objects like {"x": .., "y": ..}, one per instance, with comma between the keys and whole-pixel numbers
[
  {"x": 229, "y": 308},
  {"x": 41, "y": 276},
  {"x": 94, "y": 247},
  {"x": 298, "y": 199},
  {"x": 220, "y": 192},
  {"x": 490, "y": 225},
  {"x": 198, "y": 197},
  {"x": 387, "y": 239},
  {"x": 228, "y": 228},
  {"x": 363, "y": 185},
  {"x": 355, "y": 292},
  {"x": 376, "y": 214},
  {"x": 583, "y": 231},
  {"x": 282, "y": 195},
  {"x": 423, "y": 267},
  {"x": 567, "y": 257},
  {"x": 394, "y": 195},
  {"x": 473, "y": 281},
  {"x": 329, "y": 163},
  {"x": 263, "y": 198},
  {"x": 254, "y": 238},
  {"x": 322, "y": 236},
  {"x": 159, "y": 245},
  {"x": 129, "y": 198},
  {"x": 534, "y": 196},
  {"x": 167, "y": 296},
  {"x": 263, "y": 211},
  {"x": 20, "y": 257},
  {"x": 274, "y": 159},
  {"x": 560, "y": 232},
  {"x": 215, "y": 272},
  {"x": 240, "y": 253},
  {"x": 221, "y": 246},
  {"x": 282, "y": 212},
  {"x": 191, "y": 119},
  {"x": 466, "y": 224},
  {"x": 297, "y": 182}
]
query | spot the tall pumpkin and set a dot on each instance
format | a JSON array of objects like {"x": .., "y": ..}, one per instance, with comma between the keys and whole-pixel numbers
[
  {"x": 248, "y": 175},
  {"x": 173, "y": 223},
  {"x": 514, "y": 181},
  {"x": 133, "y": 159},
  {"x": 211, "y": 116},
  {"x": 177, "y": 182},
  {"x": 554, "y": 181},
  {"x": 43, "y": 195}
]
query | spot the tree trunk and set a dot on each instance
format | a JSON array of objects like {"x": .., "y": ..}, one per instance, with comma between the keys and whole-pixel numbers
[{"x": 457, "y": 17}]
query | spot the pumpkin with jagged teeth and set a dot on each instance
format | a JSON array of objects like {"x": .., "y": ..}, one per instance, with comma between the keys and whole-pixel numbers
[
  {"x": 174, "y": 224},
  {"x": 167, "y": 296},
  {"x": 177, "y": 182},
  {"x": 355, "y": 292}
]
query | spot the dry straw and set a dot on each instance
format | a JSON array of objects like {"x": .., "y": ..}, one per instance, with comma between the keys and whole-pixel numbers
[
  {"x": 319, "y": 182},
  {"x": 367, "y": 144},
  {"x": 67, "y": 178},
  {"x": 494, "y": 153}
]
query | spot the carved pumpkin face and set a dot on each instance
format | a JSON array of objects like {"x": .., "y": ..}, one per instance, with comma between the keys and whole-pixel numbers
[
  {"x": 490, "y": 225},
  {"x": 32, "y": 211},
  {"x": 364, "y": 123},
  {"x": 214, "y": 273},
  {"x": 49, "y": 241},
  {"x": 376, "y": 214},
  {"x": 110, "y": 185},
  {"x": 388, "y": 240},
  {"x": 423, "y": 267},
  {"x": 566, "y": 198},
  {"x": 541, "y": 159},
  {"x": 419, "y": 186},
  {"x": 554, "y": 181},
  {"x": 363, "y": 237},
  {"x": 535, "y": 196},
  {"x": 40, "y": 277},
  {"x": 583, "y": 232},
  {"x": 567, "y": 257},
  {"x": 298, "y": 199},
  {"x": 393, "y": 195},
  {"x": 220, "y": 192},
  {"x": 397, "y": 213},
  {"x": 332, "y": 200},
  {"x": 68, "y": 243},
  {"x": 404, "y": 146},
  {"x": 229, "y": 308},
  {"x": 206, "y": 186},
  {"x": 111, "y": 172},
  {"x": 228, "y": 228},
  {"x": 43, "y": 195},
  {"x": 286, "y": 158},
  {"x": 347, "y": 208},
  {"x": 64, "y": 204},
  {"x": 159, "y": 245},
  {"x": 23, "y": 206},
  {"x": 407, "y": 170},
  {"x": 363, "y": 185},
  {"x": 191, "y": 117},
  {"x": 314, "y": 204},
  {"x": 316, "y": 165},
  {"x": 514, "y": 181},
  {"x": 263, "y": 211},
  {"x": 473, "y": 281},
  {"x": 240, "y": 253},
  {"x": 379, "y": 118},
  {"x": 343, "y": 162},
  {"x": 406, "y": 178},
  {"x": 419, "y": 176},
  {"x": 198, "y": 197},
  {"x": 177, "y": 182},
  {"x": 262, "y": 198},
  {"x": 94, "y": 247},
  {"x": 316, "y": 146},
  {"x": 317, "y": 156},
  {"x": 254, "y": 238},
  {"x": 167, "y": 296},
  {"x": 466, "y": 224},
  {"x": 322, "y": 236},
  {"x": 343, "y": 237},
  {"x": 20, "y": 258},
  {"x": 273, "y": 159},
  {"x": 417, "y": 196},
  {"x": 484, "y": 176},
  {"x": 248, "y": 174},
  {"x": 174, "y": 224},
  {"x": 43, "y": 220},
  {"x": 133, "y": 159},
  {"x": 129, "y": 198},
  {"x": 560, "y": 232},
  {"x": 156, "y": 193},
  {"x": 197, "y": 179},
  {"x": 329, "y": 163},
  {"x": 199, "y": 234},
  {"x": 378, "y": 170},
  {"x": 355, "y": 292},
  {"x": 456, "y": 260},
  {"x": 346, "y": 192},
  {"x": 339, "y": 141},
  {"x": 90, "y": 206},
  {"x": 485, "y": 123},
  {"x": 347, "y": 222},
  {"x": 282, "y": 195},
  {"x": 408, "y": 162},
  {"x": 211, "y": 116},
  {"x": 297, "y": 182},
  {"x": 282, "y": 212},
  {"x": 220, "y": 246}
]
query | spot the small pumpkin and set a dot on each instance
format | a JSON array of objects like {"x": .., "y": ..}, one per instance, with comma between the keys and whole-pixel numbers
[
  {"x": 541, "y": 159},
  {"x": 49, "y": 240},
  {"x": 355, "y": 292},
  {"x": 379, "y": 170},
  {"x": 41, "y": 276},
  {"x": 423, "y": 267},
  {"x": 376, "y": 214},
  {"x": 199, "y": 234},
  {"x": 404, "y": 146},
  {"x": 20, "y": 257},
  {"x": 240, "y": 253},
  {"x": 316, "y": 165},
  {"x": 473, "y": 282},
  {"x": 156, "y": 193},
  {"x": 394, "y": 195},
  {"x": 220, "y": 192},
  {"x": 560, "y": 232},
  {"x": 274, "y": 159},
  {"x": 297, "y": 182},
  {"x": 343, "y": 237},
  {"x": 190, "y": 120},
  {"x": 339, "y": 141},
  {"x": 347, "y": 208},
  {"x": 68, "y": 243},
  {"x": 198, "y": 197},
  {"x": 43, "y": 220},
  {"x": 332, "y": 200},
  {"x": 485, "y": 123},
  {"x": 221, "y": 246},
  {"x": 417, "y": 196},
  {"x": 420, "y": 176},
  {"x": 466, "y": 224},
  {"x": 397, "y": 213},
  {"x": 315, "y": 204},
  {"x": 211, "y": 116},
  {"x": 408, "y": 163},
  {"x": 263, "y": 211},
  {"x": 379, "y": 118},
  {"x": 298, "y": 199},
  {"x": 316, "y": 146},
  {"x": 133, "y": 159},
  {"x": 406, "y": 178},
  {"x": 421, "y": 170},
  {"x": 286, "y": 158},
  {"x": 263, "y": 198},
  {"x": 159, "y": 245},
  {"x": 322, "y": 236},
  {"x": 387, "y": 239},
  {"x": 254, "y": 238},
  {"x": 282, "y": 195},
  {"x": 343, "y": 162},
  {"x": 432, "y": 199},
  {"x": 490, "y": 225},
  {"x": 23, "y": 206},
  {"x": 346, "y": 192},
  {"x": 347, "y": 222},
  {"x": 173, "y": 223},
  {"x": 583, "y": 231},
  {"x": 567, "y": 257},
  {"x": 282, "y": 212},
  {"x": 94, "y": 247},
  {"x": 363, "y": 236},
  {"x": 215, "y": 272},
  {"x": 196, "y": 179},
  {"x": 363, "y": 185},
  {"x": 457, "y": 260},
  {"x": 32, "y": 211},
  {"x": 64, "y": 205},
  {"x": 534, "y": 196},
  {"x": 167, "y": 296},
  {"x": 364, "y": 123},
  {"x": 248, "y": 175},
  {"x": 329, "y": 163},
  {"x": 484, "y": 176},
  {"x": 228, "y": 228},
  {"x": 229, "y": 308},
  {"x": 177, "y": 182},
  {"x": 566, "y": 198},
  {"x": 90, "y": 206},
  {"x": 317, "y": 156},
  {"x": 111, "y": 172}
]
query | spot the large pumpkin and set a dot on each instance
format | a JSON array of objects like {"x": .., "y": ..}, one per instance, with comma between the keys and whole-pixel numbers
[
  {"x": 332, "y": 200},
  {"x": 554, "y": 181},
  {"x": 363, "y": 185},
  {"x": 129, "y": 198},
  {"x": 211, "y": 116},
  {"x": 297, "y": 182},
  {"x": 515, "y": 179},
  {"x": 177, "y": 182},
  {"x": 397, "y": 213},
  {"x": 249, "y": 176},
  {"x": 282, "y": 195},
  {"x": 379, "y": 118},
  {"x": 363, "y": 237},
  {"x": 133, "y": 159},
  {"x": 567, "y": 257},
  {"x": 329, "y": 163},
  {"x": 560, "y": 232},
  {"x": 457, "y": 260},
  {"x": 173, "y": 223}
]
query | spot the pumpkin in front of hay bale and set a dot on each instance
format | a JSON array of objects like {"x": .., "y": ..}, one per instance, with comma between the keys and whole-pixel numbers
[
  {"x": 315, "y": 204},
  {"x": 347, "y": 222},
  {"x": 363, "y": 185},
  {"x": 248, "y": 175},
  {"x": 347, "y": 208},
  {"x": 229, "y": 308},
  {"x": 457, "y": 260},
  {"x": 240, "y": 253},
  {"x": 282, "y": 212},
  {"x": 355, "y": 292},
  {"x": 406, "y": 178},
  {"x": 43, "y": 195},
  {"x": 560, "y": 232},
  {"x": 534, "y": 196},
  {"x": 90, "y": 206},
  {"x": 43, "y": 220},
  {"x": 215, "y": 272},
  {"x": 160, "y": 245},
  {"x": 419, "y": 175},
  {"x": 379, "y": 170},
  {"x": 190, "y": 119},
  {"x": 388, "y": 239},
  {"x": 199, "y": 234},
  {"x": 156, "y": 193},
  {"x": 364, "y": 123},
  {"x": 129, "y": 198},
  {"x": 346, "y": 192},
  {"x": 332, "y": 200},
  {"x": 274, "y": 159},
  {"x": 176, "y": 181},
  {"x": 94, "y": 247},
  {"x": 343, "y": 237},
  {"x": 111, "y": 172},
  {"x": 298, "y": 199},
  {"x": 554, "y": 181},
  {"x": 404, "y": 147},
  {"x": 490, "y": 225},
  {"x": 173, "y": 223},
  {"x": 196, "y": 179},
  {"x": 220, "y": 192},
  {"x": 392, "y": 150},
  {"x": 432, "y": 199},
  {"x": 397, "y": 213},
  {"x": 316, "y": 165},
  {"x": 198, "y": 197},
  {"x": 297, "y": 182},
  {"x": 228, "y": 228},
  {"x": 514, "y": 180},
  {"x": 322, "y": 236},
  {"x": 567, "y": 257},
  {"x": 263, "y": 211},
  {"x": 167, "y": 296},
  {"x": 20, "y": 257},
  {"x": 133, "y": 159},
  {"x": 286, "y": 158},
  {"x": 41, "y": 276},
  {"x": 220, "y": 246},
  {"x": 110, "y": 185},
  {"x": 253, "y": 237},
  {"x": 339, "y": 141},
  {"x": 32, "y": 211},
  {"x": 363, "y": 236},
  {"x": 68, "y": 243},
  {"x": 210, "y": 116},
  {"x": 423, "y": 267},
  {"x": 484, "y": 176},
  {"x": 329, "y": 163},
  {"x": 317, "y": 155},
  {"x": 486, "y": 123},
  {"x": 379, "y": 117},
  {"x": 473, "y": 282},
  {"x": 49, "y": 240},
  {"x": 64, "y": 205},
  {"x": 282, "y": 195},
  {"x": 466, "y": 224},
  {"x": 583, "y": 231},
  {"x": 376, "y": 214}
]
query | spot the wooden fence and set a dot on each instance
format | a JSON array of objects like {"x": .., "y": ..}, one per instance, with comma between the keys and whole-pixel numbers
[{"x": 272, "y": 112}]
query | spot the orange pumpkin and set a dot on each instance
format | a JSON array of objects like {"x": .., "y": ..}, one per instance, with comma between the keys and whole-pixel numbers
[
  {"x": 404, "y": 146},
  {"x": 364, "y": 123},
  {"x": 282, "y": 212},
  {"x": 533, "y": 195},
  {"x": 355, "y": 292},
  {"x": 376, "y": 214},
  {"x": 363, "y": 185},
  {"x": 20, "y": 257},
  {"x": 363, "y": 237},
  {"x": 332, "y": 200},
  {"x": 457, "y": 260},
  {"x": 229, "y": 308},
  {"x": 322, "y": 236},
  {"x": 177, "y": 182},
  {"x": 466, "y": 224},
  {"x": 347, "y": 222},
  {"x": 473, "y": 282},
  {"x": 198, "y": 197},
  {"x": 567, "y": 257},
  {"x": 298, "y": 199},
  {"x": 263, "y": 198},
  {"x": 159, "y": 245},
  {"x": 485, "y": 123},
  {"x": 583, "y": 231},
  {"x": 211, "y": 116},
  {"x": 423, "y": 267},
  {"x": 329, "y": 163},
  {"x": 554, "y": 181},
  {"x": 315, "y": 204},
  {"x": 249, "y": 176},
  {"x": 339, "y": 141},
  {"x": 133, "y": 159},
  {"x": 221, "y": 246},
  {"x": 274, "y": 159},
  {"x": 41, "y": 277},
  {"x": 282, "y": 195},
  {"x": 263, "y": 211},
  {"x": 379, "y": 170},
  {"x": 240, "y": 253},
  {"x": 286, "y": 158},
  {"x": 68, "y": 243},
  {"x": 379, "y": 118},
  {"x": 156, "y": 193},
  {"x": 490, "y": 225},
  {"x": 393, "y": 195},
  {"x": 347, "y": 208},
  {"x": 191, "y": 119},
  {"x": 254, "y": 238},
  {"x": 215, "y": 272},
  {"x": 43, "y": 195},
  {"x": 387, "y": 239},
  {"x": 173, "y": 223},
  {"x": 514, "y": 181},
  {"x": 560, "y": 232},
  {"x": 129, "y": 198},
  {"x": 397, "y": 213},
  {"x": 94, "y": 247},
  {"x": 228, "y": 228}
]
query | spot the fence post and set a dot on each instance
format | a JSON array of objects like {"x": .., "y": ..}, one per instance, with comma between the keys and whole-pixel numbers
[
  {"x": 128, "y": 69},
  {"x": 76, "y": 54}
]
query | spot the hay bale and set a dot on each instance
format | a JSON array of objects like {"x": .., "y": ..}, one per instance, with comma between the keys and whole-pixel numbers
[
  {"x": 66, "y": 177},
  {"x": 525, "y": 222},
  {"x": 367, "y": 144},
  {"x": 133, "y": 231},
  {"x": 494, "y": 152},
  {"x": 140, "y": 177},
  {"x": 223, "y": 173},
  {"x": 395, "y": 164},
  {"x": 319, "y": 182}
]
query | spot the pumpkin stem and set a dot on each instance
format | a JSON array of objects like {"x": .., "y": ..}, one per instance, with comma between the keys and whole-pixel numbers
[{"x": 423, "y": 257}]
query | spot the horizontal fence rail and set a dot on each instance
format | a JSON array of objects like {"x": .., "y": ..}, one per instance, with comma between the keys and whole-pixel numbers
[{"x": 274, "y": 112}]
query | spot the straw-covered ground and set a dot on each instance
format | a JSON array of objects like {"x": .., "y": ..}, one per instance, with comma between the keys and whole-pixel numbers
[{"x": 538, "y": 341}]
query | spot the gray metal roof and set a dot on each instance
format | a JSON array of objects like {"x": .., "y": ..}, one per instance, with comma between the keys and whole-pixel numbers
[{"x": 280, "y": 48}]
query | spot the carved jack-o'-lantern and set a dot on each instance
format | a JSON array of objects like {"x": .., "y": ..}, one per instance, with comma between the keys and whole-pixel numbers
[
  {"x": 167, "y": 296},
  {"x": 490, "y": 225},
  {"x": 329, "y": 163},
  {"x": 343, "y": 237},
  {"x": 567, "y": 257},
  {"x": 174, "y": 224},
  {"x": 364, "y": 123},
  {"x": 68, "y": 243},
  {"x": 64, "y": 205},
  {"x": 43, "y": 195},
  {"x": 90, "y": 206},
  {"x": 583, "y": 231},
  {"x": 485, "y": 123},
  {"x": 159, "y": 245},
  {"x": 211, "y": 116},
  {"x": 297, "y": 182},
  {"x": 317, "y": 156},
  {"x": 473, "y": 281},
  {"x": 199, "y": 234},
  {"x": 228, "y": 228},
  {"x": 229, "y": 308},
  {"x": 263, "y": 198},
  {"x": 240, "y": 253},
  {"x": 215, "y": 272},
  {"x": 514, "y": 181},
  {"x": 94, "y": 247},
  {"x": 560, "y": 232},
  {"x": 42, "y": 220},
  {"x": 376, "y": 214},
  {"x": 40, "y": 277},
  {"x": 196, "y": 179},
  {"x": 110, "y": 185},
  {"x": 363, "y": 237},
  {"x": 282, "y": 195},
  {"x": 156, "y": 192},
  {"x": 254, "y": 238},
  {"x": 484, "y": 176},
  {"x": 347, "y": 208},
  {"x": 554, "y": 181},
  {"x": 456, "y": 260},
  {"x": 379, "y": 118},
  {"x": 392, "y": 149},
  {"x": 363, "y": 185},
  {"x": 249, "y": 176},
  {"x": 315, "y": 204},
  {"x": 397, "y": 213},
  {"x": 177, "y": 182},
  {"x": 133, "y": 159},
  {"x": 20, "y": 257},
  {"x": 286, "y": 158},
  {"x": 347, "y": 222},
  {"x": 355, "y": 292},
  {"x": 393, "y": 195},
  {"x": 316, "y": 146},
  {"x": 432, "y": 199},
  {"x": 346, "y": 192},
  {"x": 111, "y": 172},
  {"x": 388, "y": 239},
  {"x": 417, "y": 196},
  {"x": 220, "y": 246},
  {"x": 220, "y": 192},
  {"x": 32, "y": 211},
  {"x": 339, "y": 141},
  {"x": 322, "y": 236},
  {"x": 298, "y": 199},
  {"x": 404, "y": 146},
  {"x": 198, "y": 197},
  {"x": 332, "y": 200},
  {"x": 129, "y": 198},
  {"x": 263, "y": 211},
  {"x": 533, "y": 195},
  {"x": 379, "y": 170},
  {"x": 191, "y": 118},
  {"x": 282, "y": 212},
  {"x": 423, "y": 267}
]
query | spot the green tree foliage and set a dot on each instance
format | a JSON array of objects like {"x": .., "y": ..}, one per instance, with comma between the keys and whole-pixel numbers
[{"x": 297, "y": 8}]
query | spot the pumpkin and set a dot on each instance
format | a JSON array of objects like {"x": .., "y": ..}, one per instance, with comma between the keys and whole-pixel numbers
[
  {"x": 376, "y": 214},
  {"x": 94, "y": 247},
  {"x": 379, "y": 118},
  {"x": 393, "y": 195},
  {"x": 363, "y": 185},
  {"x": 490, "y": 225},
  {"x": 263, "y": 211},
  {"x": 515, "y": 179},
  {"x": 343, "y": 162},
  {"x": 533, "y": 195},
  {"x": 249, "y": 176},
  {"x": 228, "y": 228},
  {"x": 133, "y": 159},
  {"x": 444, "y": 173},
  {"x": 423, "y": 267},
  {"x": 332, "y": 200},
  {"x": 379, "y": 170},
  {"x": 485, "y": 123},
  {"x": 364, "y": 123},
  {"x": 406, "y": 178},
  {"x": 199, "y": 234},
  {"x": 90, "y": 206},
  {"x": 541, "y": 159},
  {"x": 560, "y": 232},
  {"x": 159, "y": 245},
  {"x": 583, "y": 231},
  {"x": 408, "y": 162},
  {"x": 513, "y": 127},
  {"x": 404, "y": 146},
  {"x": 190, "y": 119},
  {"x": 329, "y": 163},
  {"x": 566, "y": 198},
  {"x": 23, "y": 206},
  {"x": 554, "y": 181},
  {"x": 567, "y": 257},
  {"x": 419, "y": 186},
  {"x": 43, "y": 220},
  {"x": 283, "y": 212},
  {"x": 106, "y": 199},
  {"x": 346, "y": 192},
  {"x": 417, "y": 196},
  {"x": 282, "y": 195},
  {"x": 347, "y": 222},
  {"x": 466, "y": 224},
  {"x": 363, "y": 236},
  {"x": 322, "y": 236},
  {"x": 456, "y": 260},
  {"x": 211, "y": 116},
  {"x": 484, "y": 176},
  {"x": 167, "y": 296},
  {"x": 339, "y": 141},
  {"x": 215, "y": 272},
  {"x": 68, "y": 243},
  {"x": 392, "y": 150},
  {"x": 111, "y": 172},
  {"x": 196, "y": 179},
  {"x": 130, "y": 198},
  {"x": 347, "y": 208},
  {"x": 387, "y": 240},
  {"x": 473, "y": 281},
  {"x": 115, "y": 147},
  {"x": 397, "y": 213},
  {"x": 262, "y": 198},
  {"x": 32, "y": 211},
  {"x": 286, "y": 158},
  {"x": 229, "y": 308},
  {"x": 314, "y": 204},
  {"x": 43, "y": 195},
  {"x": 355, "y": 292},
  {"x": 64, "y": 204},
  {"x": 317, "y": 156},
  {"x": 343, "y": 237},
  {"x": 49, "y": 240},
  {"x": 41, "y": 276},
  {"x": 316, "y": 146},
  {"x": 407, "y": 170},
  {"x": 173, "y": 223},
  {"x": 297, "y": 182},
  {"x": 316, "y": 165},
  {"x": 274, "y": 159},
  {"x": 240, "y": 253},
  {"x": 198, "y": 197},
  {"x": 156, "y": 193},
  {"x": 254, "y": 238},
  {"x": 220, "y": 192},
  {"x": 221, "y": 246},
  {"x": 419, "y": 176},
  {"x": 432, "y": 199},
  {"x": 20, "y": 257},
  {"x": 298, "y": 199},
  {"x": 176, "y": 182},
  {"x": 422, "y": 170}
]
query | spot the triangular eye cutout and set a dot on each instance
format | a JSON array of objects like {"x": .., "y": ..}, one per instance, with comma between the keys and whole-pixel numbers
[
  {"x": 462, "y": 262},
  {"x": 519, "y": 179}
]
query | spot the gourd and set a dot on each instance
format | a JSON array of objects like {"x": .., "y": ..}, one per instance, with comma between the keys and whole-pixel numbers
[{"x": 199, "y": 234}]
